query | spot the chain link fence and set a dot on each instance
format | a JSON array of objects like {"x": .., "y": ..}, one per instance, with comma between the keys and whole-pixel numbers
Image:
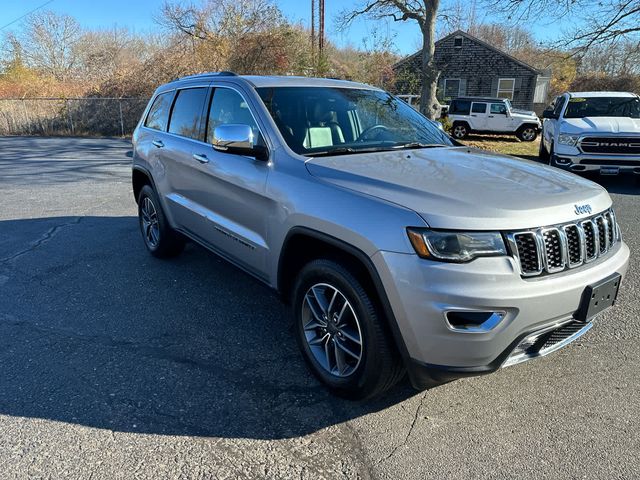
[{"x": 90, "y": 116}]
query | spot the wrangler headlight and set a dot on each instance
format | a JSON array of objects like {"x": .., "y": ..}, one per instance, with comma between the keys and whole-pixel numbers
[
  {"x": 454, "y": 246},
  {"x": 566, "y": 139}
]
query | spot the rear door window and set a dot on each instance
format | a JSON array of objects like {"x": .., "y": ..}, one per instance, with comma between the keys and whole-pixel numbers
[
  {"x": 186, "y": 116},
  {"x": 479, "y": 108},
  {"x": 159, "y": 112}
]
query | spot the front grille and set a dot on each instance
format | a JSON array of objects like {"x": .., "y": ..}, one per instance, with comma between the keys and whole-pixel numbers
[
  {"x": 614, "y": 145},
  {"x": 556, "y": 248}
]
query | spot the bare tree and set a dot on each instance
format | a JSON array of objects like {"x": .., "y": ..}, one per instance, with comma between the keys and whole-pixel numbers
[
  {"x": 593, "y": 23},
  {"x": 424, "y": 13},
  {"x": 49, "y": 43}
]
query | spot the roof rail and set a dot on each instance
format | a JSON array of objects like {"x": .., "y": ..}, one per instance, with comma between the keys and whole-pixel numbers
[{"x": 224, "y": 73}]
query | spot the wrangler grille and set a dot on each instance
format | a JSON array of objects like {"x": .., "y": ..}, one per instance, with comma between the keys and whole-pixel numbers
[{"x": 556, "y": 248}]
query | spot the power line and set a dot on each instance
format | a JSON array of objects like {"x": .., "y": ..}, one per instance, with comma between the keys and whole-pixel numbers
[{"x": 26, "y": 14}]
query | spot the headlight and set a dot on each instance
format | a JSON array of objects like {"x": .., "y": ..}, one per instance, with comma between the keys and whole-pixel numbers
[
  {"x": 455, "y": 246},
  {"x": 566, "y": 139}
]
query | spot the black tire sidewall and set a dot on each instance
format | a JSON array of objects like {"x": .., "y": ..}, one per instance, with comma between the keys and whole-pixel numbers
[
  {"x": 460, "y": 124},
  {"x": 167, "y": 242},
  {"x": 520, "y": 133},
  {"x": 364, "y": 379}
]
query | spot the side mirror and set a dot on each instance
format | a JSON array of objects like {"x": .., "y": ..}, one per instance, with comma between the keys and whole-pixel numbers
[
  {"x": 238, "y": 139},
  {"x": 549, "y": 114}
]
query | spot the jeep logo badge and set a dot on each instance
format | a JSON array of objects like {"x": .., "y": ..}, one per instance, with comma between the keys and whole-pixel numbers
[{"x": 582, "y": 209}]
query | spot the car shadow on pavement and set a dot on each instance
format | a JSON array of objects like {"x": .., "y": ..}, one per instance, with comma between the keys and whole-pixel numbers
[{"x": 95, "y": 332}]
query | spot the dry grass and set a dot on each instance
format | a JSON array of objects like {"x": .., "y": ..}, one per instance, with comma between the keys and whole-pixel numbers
[{"x": 507, "y": 145}]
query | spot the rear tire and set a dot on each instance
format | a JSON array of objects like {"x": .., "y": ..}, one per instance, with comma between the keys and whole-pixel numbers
[
  {"x": 527, "y": 133},
  {"x": 332, "y": 313},
  {"x": 459, "y": 130},
  {"x": 161, "y": 240}
]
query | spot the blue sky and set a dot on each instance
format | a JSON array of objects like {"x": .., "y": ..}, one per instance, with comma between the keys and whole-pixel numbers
[{"x": 138, "y": 15}]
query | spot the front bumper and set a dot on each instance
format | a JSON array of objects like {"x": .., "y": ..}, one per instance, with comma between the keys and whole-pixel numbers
[
  {"x": 421, "y": 291},
  {"x": 582, "y": 162}
]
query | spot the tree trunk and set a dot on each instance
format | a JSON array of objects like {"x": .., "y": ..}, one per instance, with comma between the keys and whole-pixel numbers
[{"x": 429, "y": 73}]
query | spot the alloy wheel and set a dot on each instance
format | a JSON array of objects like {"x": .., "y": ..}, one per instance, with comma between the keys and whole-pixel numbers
[
  {"x": 332, "y": 330},
  {"x": 528, "y": 134},
  {"x": 459, "y": 131},
  {"x": 150, "y": 227}
]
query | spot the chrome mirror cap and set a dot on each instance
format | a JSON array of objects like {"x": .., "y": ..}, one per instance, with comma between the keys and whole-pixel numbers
[{"x": 233, "y": 136}]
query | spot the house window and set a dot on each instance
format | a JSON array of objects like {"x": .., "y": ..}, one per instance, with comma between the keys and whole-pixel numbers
[
  {"x": 451, "y": 87},
  {"x": 506, "y": 87},
  {"x": 457, "y": 42}
]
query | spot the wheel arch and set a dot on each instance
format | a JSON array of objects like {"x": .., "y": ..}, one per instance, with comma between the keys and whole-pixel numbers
[
  {"x": 304, "y": 244},
  {"x": 140, "y": 177}
]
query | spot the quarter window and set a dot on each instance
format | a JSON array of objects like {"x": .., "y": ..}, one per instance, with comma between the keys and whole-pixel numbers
[
  {"x": 460, "y": 107},
  {"x": 479, "y": 108},
  {"x": 506, "y": 87},
  {"x": 159, "y": 112},
  {"x": 187, "y": 112}
]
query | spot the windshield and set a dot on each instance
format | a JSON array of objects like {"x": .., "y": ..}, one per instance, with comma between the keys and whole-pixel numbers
[
  {"x": 330, "y": 121},
  {"x": 603, "y": 107}
]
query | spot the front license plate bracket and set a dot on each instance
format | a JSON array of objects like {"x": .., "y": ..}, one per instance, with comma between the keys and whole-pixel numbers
[{"x": 598, "y": 297}]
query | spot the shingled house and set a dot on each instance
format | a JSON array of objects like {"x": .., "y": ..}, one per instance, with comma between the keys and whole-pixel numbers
[{"x": 471, "y": 67}]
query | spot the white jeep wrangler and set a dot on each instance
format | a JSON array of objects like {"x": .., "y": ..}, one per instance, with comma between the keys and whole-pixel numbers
[
  {"x": 593, "y": 131},
  {"x": 491, "y": 115}
]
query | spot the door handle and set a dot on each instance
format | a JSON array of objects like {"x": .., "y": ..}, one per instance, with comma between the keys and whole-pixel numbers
[
  {"x": 158, "y": 143},
  {"x": 474, "y": 115},
  {"x": 200, "y": 158},
  {"x": 490, "y": 116}
]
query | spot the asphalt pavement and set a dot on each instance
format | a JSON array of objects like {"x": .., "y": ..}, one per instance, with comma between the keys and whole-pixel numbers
[{"x": 114, "y": 364}]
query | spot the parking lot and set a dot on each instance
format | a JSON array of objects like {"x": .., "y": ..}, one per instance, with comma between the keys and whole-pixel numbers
[{"x": 114, "y": 364}]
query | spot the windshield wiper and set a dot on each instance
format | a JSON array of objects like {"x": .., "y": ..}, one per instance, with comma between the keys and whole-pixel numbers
[{"x": 417, "y": 145}]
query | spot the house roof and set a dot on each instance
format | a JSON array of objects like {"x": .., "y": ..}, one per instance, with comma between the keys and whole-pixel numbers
[{"x": 460, "y": 33}]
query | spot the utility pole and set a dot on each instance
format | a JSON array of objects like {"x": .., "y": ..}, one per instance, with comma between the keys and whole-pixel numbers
[{"x": 317, "y": 25}]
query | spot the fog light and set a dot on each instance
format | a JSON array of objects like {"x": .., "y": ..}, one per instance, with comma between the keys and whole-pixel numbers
[
  {"x": 563, "y": 161},
  {"x": 473, "y": 322}
]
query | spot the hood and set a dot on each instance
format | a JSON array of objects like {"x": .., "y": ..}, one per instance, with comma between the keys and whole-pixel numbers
[
  {"x": 463, "y": 188},
  {"x": 523, "y": 113},
  {"x": 601, "y": 125}
]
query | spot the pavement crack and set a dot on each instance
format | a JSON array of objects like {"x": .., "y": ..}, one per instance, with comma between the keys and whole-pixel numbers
[
  {"x": 48, "y": 235},
  {"x": 409, "y": 432}
]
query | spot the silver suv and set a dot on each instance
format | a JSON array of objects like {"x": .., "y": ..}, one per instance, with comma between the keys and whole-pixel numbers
[{"x": 398, "y": 251}]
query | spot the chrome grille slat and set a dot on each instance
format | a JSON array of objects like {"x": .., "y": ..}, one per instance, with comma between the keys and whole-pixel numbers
[{"x": 556, "y": 248}]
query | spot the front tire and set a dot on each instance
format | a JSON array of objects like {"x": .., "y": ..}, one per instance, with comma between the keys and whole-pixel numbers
[
  {"x": 527, "y": 133},
  {"x": 459, "y": 130},
  {"x": 543, "y": 155},
  {"x": 341, "y": 334},
  {"x": 161, "y": 240}
]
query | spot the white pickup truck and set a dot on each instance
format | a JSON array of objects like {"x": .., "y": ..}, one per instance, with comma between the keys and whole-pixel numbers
[{"x": 593, "y": 131}]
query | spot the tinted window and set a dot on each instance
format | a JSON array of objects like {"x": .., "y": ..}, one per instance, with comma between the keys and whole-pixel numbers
[
  {"x": 498, "y": 108},
  {"x": 187, "y": 112},
  {"x": 603, "y": 107},
  {"x": 159, "y": 112},
  {"x": 228, "y": 107},
  {"x": 479, "y": 108},
  {"x": 460, "y": 107}
]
